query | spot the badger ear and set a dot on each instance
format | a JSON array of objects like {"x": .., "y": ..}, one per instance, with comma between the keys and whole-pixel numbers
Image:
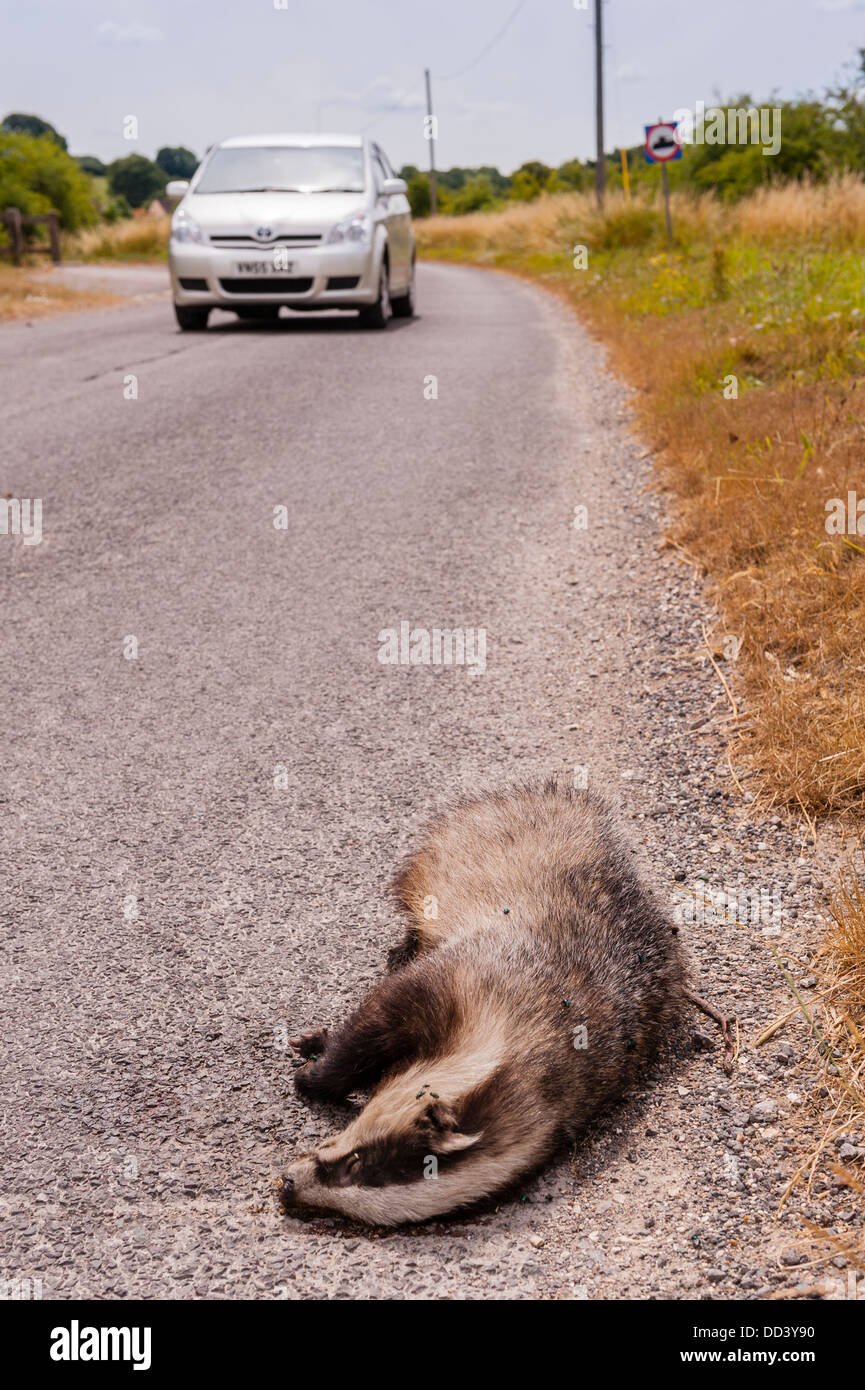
[{"x": 443, "y": 1125}]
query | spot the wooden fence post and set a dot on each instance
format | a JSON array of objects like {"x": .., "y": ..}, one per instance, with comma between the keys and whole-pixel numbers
[
  {"x": 54, "y": 236},
  {"x": 16, "y": 237}
]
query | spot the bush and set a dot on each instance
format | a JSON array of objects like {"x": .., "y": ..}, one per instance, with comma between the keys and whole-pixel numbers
[
  {"x": 116, "y": 209},
  {"x": 628, "y": 226},
  {"x": 476, "y": 193},
  {"x": 37, "y": 176},
  {"x": 418, "y": 195}
]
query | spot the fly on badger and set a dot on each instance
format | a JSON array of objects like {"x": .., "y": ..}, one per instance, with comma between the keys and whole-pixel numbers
[{"x": 537, "y": 974}]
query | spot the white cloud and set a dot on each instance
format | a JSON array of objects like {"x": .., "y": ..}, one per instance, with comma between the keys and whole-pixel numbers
[
  {"x": 839, "y": 6},
  {"x": 124, "y": 34},
  {"x": 628, "y": 72}
]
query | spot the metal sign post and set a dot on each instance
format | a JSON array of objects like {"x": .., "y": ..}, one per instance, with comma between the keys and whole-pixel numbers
[{"x": 661, "y": 145}]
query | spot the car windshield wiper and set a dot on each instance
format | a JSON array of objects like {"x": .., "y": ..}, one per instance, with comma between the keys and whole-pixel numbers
[
  {"x": 353, "y": 189},
  {"x": 266, "y": 188}
]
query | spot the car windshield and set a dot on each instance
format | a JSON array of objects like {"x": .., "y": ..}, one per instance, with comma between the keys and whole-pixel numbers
[{"x": 284, "y": 168}]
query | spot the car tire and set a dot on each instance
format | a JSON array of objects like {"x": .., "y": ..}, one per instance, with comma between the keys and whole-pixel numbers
[
  {"x": 262, "y": 313},
  {"x": 405, "y": 307},
  {"x": 378, "y": 315},
  {"x": 190, "y": 319}
]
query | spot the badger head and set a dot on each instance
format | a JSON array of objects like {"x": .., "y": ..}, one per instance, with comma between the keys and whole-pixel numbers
[{"x": 404, "y": 1158}]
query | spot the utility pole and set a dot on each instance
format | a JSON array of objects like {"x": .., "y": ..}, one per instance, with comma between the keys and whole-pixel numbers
[
  {"x": 430, "y": 135},
  {"x": 600, "y": 165}
]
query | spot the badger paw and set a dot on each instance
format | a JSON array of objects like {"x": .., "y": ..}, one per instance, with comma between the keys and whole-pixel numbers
[
  {"x": 310, "y": 1045},
  {"x": 313, "y": 1081}
]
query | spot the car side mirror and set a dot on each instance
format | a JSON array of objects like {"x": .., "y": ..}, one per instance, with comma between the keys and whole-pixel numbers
[
  {"x": 177, "y": 188},
  {"x": 390, "y": 187}
]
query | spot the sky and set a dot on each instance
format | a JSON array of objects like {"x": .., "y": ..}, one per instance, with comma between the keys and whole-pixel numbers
[{"x": 197, "y": 71}]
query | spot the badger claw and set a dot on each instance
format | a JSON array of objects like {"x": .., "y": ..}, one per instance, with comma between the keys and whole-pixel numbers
[{"x": 310, "y": 1044}]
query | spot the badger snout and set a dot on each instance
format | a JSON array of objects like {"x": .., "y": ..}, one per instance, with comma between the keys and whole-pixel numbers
[{"x": 297, "y": 1183}]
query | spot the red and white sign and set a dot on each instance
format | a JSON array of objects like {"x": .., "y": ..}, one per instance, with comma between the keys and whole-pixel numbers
[{"x": 662, "y": 142}]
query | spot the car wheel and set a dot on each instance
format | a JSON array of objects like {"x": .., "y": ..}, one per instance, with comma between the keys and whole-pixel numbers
[
  {"x": 191, "y": 320},
  {"x": 377, "y": 315},
  {"x": 264, "y": 313},
  {"x": 405, "y": 307}
]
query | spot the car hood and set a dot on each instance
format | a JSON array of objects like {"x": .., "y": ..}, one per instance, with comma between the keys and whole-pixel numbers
[{"x": 244, "y": 212}]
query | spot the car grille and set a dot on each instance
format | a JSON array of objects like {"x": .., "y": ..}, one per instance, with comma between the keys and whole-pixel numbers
[
  {"x": 343, "y": 282},
  {"x": 188, "y": 283},
  {"x": 267, "y": 284},
  {"x": 243, "y": 243}
]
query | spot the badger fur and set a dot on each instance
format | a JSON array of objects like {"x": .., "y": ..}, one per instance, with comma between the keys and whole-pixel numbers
[{"x": 536, "y": 975}]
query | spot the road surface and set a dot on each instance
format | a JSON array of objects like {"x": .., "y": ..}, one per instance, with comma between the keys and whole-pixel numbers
[{"x": 208, "y": 777}]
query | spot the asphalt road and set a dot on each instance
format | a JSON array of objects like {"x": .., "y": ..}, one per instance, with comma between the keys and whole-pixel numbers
[{"x": 197, "y": 837}]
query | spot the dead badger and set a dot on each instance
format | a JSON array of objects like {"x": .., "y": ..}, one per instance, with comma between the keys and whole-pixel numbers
[{"x": 536, "y": 974}]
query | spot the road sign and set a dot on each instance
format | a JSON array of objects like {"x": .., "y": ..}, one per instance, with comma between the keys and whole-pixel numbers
[
  {"x": 661, "y": 145},
  {"x": 661, "y": 142}
]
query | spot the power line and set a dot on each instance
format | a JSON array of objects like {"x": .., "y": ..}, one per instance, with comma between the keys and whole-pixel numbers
[
  {"x": 492, "y": 43},
  {"x": 393, "y": 111}
]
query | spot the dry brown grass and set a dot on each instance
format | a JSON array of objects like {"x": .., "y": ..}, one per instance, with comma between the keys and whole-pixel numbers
[
  {"x": 135, "y": 239},
  {"x": 770, "y": 291},
  {"x": 801, "y": 212},
  {"x": 519, "y": 228},
  {"x": 555, "y": 221},
  {"x": 840, "y": 1050},
  {"x": 25, "y": 294},
  {"x": 842, "y": 964}
]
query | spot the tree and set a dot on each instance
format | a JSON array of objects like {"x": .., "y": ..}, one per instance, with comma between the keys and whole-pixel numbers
[
  {"x": 524, "y": 186},
  {"x": 177, "y": 162},
  {"x": 848, "y": 109},
  {"x": 37, "y": 176},
  {"x": 811, "y": 144},
  {"x": 535, "y": 170},
  {"x": 19, "y": 124},
  {"x": 571, "y": 174},
  {"x": 136, "y": 179},
  {"x": 90, "y": 164}
]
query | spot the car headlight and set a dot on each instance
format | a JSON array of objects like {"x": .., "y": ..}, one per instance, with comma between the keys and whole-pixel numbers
[
  {"x": 185, "y": 228},
  {"x": 356, "y": 227}
]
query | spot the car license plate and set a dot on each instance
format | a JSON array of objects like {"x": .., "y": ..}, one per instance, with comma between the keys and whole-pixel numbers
[{"x": 269, "y": 267}]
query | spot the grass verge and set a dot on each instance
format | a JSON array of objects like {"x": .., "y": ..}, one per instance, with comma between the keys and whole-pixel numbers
[
  {"x": 25, "y": 294},
  {"x": 745, "y": 341}
]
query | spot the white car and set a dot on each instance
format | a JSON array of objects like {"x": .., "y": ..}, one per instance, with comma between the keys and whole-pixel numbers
[{"x": 306, "y": 221}]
